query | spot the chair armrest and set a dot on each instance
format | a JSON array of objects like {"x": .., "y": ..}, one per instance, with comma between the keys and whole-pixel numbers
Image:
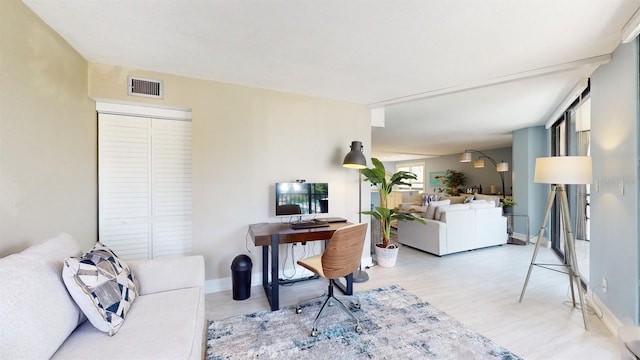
[{"x": 168, "y": 274}]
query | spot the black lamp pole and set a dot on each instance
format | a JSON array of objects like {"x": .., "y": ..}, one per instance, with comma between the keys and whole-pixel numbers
[{"x": 355, "y": 160}]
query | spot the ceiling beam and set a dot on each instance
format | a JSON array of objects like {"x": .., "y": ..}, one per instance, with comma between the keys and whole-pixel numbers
[
  {"x": 564, "y": 105},
  {"x": 632, "y": 28},
  {"x": 593, "y": 61}
]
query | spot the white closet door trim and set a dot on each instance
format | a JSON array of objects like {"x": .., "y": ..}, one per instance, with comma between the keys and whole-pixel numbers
[{"x": 130, "y": 109}]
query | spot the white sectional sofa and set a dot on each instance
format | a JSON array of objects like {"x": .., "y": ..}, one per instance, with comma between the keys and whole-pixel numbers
[
  {"x": 40, "y": 320},
  {"x": 455, "y": 228}
]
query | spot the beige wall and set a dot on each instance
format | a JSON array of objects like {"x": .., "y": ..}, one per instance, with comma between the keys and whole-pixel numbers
[
  {"x": 244, "y": 140},
  {"x": 47, "y": 135}
]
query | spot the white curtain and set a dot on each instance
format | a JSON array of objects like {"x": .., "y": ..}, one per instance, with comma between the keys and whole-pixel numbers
[{"x": 583, "y": 142}]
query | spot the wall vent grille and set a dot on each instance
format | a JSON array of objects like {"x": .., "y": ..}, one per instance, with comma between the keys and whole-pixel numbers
[{"x": 145, "y": 87}]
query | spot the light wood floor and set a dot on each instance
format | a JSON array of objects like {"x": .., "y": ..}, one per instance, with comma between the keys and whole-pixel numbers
[{"x": 480, "y": 289}]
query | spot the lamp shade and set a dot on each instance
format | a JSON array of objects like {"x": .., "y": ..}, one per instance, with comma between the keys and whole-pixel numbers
[
  {"x": 563, "y": 170},
  {"x": 502, "y": 166},
  {"x": 478, "y": 163},
  {"x": 465, "y": 157},
  {"x": 355, "y": 158}
]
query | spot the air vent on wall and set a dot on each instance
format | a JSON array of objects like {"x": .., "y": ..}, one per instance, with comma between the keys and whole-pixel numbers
[{"x": 145, "y": 87}]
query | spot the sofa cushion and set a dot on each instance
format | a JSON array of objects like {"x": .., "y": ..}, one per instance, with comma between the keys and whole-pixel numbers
[
  {"x": 102, "y": 285},
  {"x": 444, "y": 208},
  {"x": 164, "y": 325},
  {"x": 431, "y": 209},
  {"x": 429, "y": 198},
  {"x": 482, "y": 204},
  {"x": 410, "y": 208},
  {"x": 36, "y": 312},
  {"x": 494, "y": 199},
  {"x": 455, "y": 199}
]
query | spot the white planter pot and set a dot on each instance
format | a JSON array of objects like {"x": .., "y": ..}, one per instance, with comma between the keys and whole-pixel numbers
[{"x": 387, "y": 257}]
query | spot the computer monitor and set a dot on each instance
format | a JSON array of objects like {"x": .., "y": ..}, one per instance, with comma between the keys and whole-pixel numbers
[{"x": 298, "y": 198}]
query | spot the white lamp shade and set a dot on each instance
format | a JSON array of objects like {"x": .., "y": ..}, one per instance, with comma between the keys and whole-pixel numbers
[
  {"x": 465, "y": 157},
  {"x": 478, "y": 163},
  {"x": 563, "y": 170},
  {"x": 502, "y": 166}
]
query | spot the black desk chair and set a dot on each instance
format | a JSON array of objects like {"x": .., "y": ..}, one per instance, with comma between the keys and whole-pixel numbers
[
  {"x": 288, "y": 209},
  {"x": 340, "y": 258}
]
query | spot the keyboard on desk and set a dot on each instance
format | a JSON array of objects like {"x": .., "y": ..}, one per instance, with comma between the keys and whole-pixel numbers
[{"x": 309, "y": 224}]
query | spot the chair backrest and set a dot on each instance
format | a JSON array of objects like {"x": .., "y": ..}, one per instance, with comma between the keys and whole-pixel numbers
[
  {"x": 288, "y": 209},
  {"x": 344, "y": 250}
]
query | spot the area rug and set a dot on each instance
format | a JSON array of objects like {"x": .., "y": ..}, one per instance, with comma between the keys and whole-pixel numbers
[{"x": 396, "y": 325}]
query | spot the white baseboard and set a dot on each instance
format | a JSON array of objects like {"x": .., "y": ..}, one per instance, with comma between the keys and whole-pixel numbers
[
  {"x": 223, "y": 284},
  {"x": 609, "y": 320},
  {"x": 532, "y": 239},
  {"x": 366, "y": 261}
]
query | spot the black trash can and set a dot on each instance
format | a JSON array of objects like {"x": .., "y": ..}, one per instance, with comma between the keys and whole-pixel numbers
[{"x": 241, "y": 276}]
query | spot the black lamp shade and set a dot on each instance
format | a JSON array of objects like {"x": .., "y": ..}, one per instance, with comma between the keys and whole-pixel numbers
[{"x": 355, "y": 158}]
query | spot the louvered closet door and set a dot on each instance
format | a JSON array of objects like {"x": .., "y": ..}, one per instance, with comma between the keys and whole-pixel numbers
[
  {"x": 171, "y": 187},
  {"x": 144, "y": 186}
]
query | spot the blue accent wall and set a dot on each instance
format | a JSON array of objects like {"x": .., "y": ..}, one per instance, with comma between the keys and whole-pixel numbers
[
  {"x": 529, "y": 144},
  {"x": 614, "y": 200}
]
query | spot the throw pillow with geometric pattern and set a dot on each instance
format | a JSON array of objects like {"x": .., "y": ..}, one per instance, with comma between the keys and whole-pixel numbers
[{"x": 102, "y": 285}]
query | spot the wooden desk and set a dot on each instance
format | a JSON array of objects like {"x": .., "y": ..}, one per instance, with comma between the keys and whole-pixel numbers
[{"x": 273, "y": 234}]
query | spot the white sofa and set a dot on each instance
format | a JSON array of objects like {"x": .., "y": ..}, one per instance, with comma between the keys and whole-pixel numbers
[
  {"x": 40, "y": 320},
  {"x": 455, "y": 228}
]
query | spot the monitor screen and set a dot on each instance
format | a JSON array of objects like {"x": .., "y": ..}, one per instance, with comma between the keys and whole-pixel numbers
[{"x": 294, "y": 198}]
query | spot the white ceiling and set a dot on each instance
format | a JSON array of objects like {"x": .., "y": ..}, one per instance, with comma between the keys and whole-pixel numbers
[{"x": 451, "y": 74}]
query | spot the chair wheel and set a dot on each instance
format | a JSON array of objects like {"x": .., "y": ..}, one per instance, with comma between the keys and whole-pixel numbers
[
  {"x": 298, "y": 310},
  {"x": 314, "y": 332},
  {"x": 356, "y": 305},
  {"x": 358, "y": 328}
]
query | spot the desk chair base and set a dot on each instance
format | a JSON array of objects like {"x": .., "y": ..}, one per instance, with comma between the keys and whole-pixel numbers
[
  {"x": 330, "y": 298},
  {"x": 360, "y": 276}
]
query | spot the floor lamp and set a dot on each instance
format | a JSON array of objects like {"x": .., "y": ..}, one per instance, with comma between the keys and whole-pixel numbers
[
  {"x": 559, "y": 171},
  {"x": 355, "y": 160},
  {"x": 501, "y": 167}
]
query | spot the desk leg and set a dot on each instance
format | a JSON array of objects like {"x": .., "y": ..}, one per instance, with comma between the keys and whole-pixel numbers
[
  {"x": 271, "y": 289},
  {"x": 275, "y": 286},
  {"x": 265, "y": 272}
]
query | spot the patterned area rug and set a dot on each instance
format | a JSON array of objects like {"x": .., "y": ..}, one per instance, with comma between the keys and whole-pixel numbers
[{"x": 396, "y": 325}]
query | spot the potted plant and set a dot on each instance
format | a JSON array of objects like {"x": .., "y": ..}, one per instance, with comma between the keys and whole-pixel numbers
[
  {"x": 384, "y": 182},
  {"x": 454, "y": 180},
  {"x": 507, "y": 206}
]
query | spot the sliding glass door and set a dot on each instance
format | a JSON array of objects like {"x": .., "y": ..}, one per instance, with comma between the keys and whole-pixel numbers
[
  {"x": 570, "y": 136},
  {"x": 559, "y": 147}
]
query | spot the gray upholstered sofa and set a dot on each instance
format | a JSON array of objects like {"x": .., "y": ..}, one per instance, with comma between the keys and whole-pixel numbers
[{"x": 40, "y": 320}]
